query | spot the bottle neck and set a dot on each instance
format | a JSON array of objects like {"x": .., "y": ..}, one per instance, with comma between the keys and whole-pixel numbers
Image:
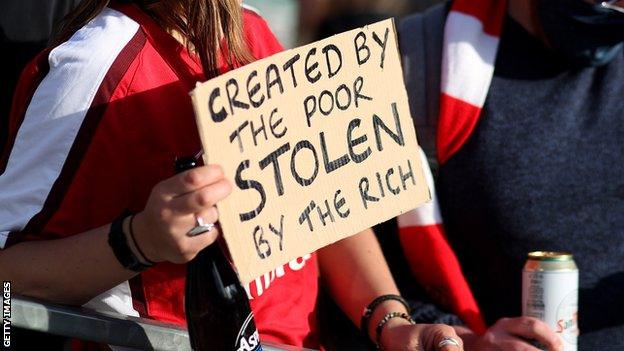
[{"x": 222, "y": 272}]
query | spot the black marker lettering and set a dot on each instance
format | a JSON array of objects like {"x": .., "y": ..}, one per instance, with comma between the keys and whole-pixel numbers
[
  {"x": 244, "y": 184},
  {"x": 393, "y": 190},
  {"x": 253, "y": 91},
  {"x": 357, "y": 88},
  {"x": 357, "y": 158},
  {"x": 305, "y": 215},
  {"x": 221, "y": 114},
  {"x": 309, "y": 69},
  {"x": 274, "y": 126},
  {"x": 259, "y": 240},
  {"x": 325, "y": 214},
  {"x": 378, "y": 123},
  {"x": 309, "y": 110},
  {"x": 339, "y": 203},
  {"x": 331, "y": 166},
  {"x": 255, "y": 132},
  {"x": 237, "y": 134},
  {"x": 364, "y": 186},
  {"x": 406, "y": 176},
  {"x": 343, "y": 87},
  {"x": 382, "y": 44},
  {"x": 272, "y": 158},
  {"x": 381, "y": 188},
  {"x": 279, "y": 233},
  {"x": 289, "y": 65},
  {"x": 326, "y": 50},
  {"x": 233, "y": 94},
  {"x": 330, "y": 107},
  {"x": 359, "y": 47},
  {"x": 304, "y": 144},
  {"x": 273, "y": 81}
]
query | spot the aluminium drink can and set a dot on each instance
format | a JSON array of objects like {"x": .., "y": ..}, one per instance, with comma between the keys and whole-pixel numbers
[{"x": 550, "y": 293}]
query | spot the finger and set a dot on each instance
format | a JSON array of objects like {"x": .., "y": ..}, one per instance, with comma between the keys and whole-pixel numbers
[
  {"x": 191, "y": 180},
  {"x": 445, "y": 339},
  {"x": 204, "y": 239},
  {"x": 447, "y": 346},
  {"x": 533, "y": 328},
  {"x": 209, "y": 215},
  {"x": 201, "y": 199}
]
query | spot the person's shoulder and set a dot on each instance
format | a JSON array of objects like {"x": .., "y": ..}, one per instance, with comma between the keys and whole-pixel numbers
[
  {"x": 84, "y": 70},
  {"x": 253, "y": 18},
  {"x": 101, "y": 39},
  {"x": 259, "y": 36},
  {"x": 97, "y": 53}
]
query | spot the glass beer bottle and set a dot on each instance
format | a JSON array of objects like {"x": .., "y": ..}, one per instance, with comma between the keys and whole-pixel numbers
[{"x": 218, "y": 314}]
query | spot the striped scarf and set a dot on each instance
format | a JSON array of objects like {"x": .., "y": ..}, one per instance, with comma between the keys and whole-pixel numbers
[{"x": 471, "y": 37}]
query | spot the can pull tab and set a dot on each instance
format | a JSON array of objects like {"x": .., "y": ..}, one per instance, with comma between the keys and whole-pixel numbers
[{"x": 182, "y": 164}]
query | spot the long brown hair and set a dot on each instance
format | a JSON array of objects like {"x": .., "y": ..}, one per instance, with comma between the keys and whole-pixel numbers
[{"x": 211, "y": 27}]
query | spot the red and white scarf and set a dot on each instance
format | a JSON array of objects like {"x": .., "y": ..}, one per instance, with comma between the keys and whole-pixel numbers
[{"x": 471, "y": 37}]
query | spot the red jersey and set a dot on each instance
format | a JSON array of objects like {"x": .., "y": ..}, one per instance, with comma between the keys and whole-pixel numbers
[{"x": 96, "y": 123}]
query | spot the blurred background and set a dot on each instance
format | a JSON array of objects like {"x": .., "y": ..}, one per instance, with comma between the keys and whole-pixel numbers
[
  {"x": 26, "y": 25},
  {"x": 298, "y": 22}
]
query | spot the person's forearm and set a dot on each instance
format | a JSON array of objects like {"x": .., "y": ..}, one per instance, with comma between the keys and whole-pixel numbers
[
  {"x": 75, "y": 269},
  {"x": 355, "y": 272},
  {"x": 70, "y": 270}
]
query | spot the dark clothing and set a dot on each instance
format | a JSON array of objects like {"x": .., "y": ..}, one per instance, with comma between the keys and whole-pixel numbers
[
  {"x": 543, "y": 170},
  {"x": 32, "y": 21}
]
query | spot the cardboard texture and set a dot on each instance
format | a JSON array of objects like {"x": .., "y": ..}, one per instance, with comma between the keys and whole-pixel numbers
[{"x": 318, "y": 143}]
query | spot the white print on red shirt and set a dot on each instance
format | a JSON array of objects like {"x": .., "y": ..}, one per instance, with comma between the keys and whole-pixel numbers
[{"x": 262, "y": 283}]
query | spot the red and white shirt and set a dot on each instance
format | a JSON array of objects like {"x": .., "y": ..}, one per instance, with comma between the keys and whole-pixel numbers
[{"x": 96, "y": 122}]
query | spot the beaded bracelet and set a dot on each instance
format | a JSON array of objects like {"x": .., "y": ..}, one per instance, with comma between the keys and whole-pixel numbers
[
  {"x": 368, "y": 311},
  {"x": 385, "y": 319}
]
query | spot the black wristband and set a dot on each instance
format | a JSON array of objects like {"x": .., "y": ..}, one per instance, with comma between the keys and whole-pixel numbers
[
  {"x": 117, "y": 241},
  {"x": 368, "y": 311}
]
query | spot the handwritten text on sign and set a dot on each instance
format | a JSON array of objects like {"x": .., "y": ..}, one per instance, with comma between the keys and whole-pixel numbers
[{"x": 318, "y": 142}]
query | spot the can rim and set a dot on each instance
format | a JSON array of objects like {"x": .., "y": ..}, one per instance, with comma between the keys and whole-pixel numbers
[{"x": 550, "y": 256}]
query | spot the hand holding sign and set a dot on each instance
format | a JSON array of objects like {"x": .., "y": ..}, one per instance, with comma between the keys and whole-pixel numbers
[{"x": 318, "y": 142}]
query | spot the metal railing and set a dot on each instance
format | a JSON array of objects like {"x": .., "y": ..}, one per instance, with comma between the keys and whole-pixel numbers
[{"x": 104, "y": 327}]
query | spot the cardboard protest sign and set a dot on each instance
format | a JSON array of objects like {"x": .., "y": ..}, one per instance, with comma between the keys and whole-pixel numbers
[{"x": 318, "y": 143}]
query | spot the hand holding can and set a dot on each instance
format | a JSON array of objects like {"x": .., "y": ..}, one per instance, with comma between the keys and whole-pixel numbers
[{"x": 550, "y": 293}]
